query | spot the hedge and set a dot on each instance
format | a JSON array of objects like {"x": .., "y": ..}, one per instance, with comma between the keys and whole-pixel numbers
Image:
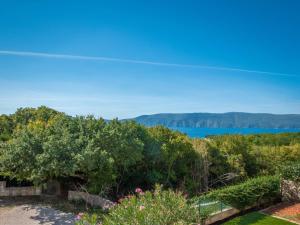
[
  {"x": 253, "y": 192},
  {"x": 291, "y": 172}
]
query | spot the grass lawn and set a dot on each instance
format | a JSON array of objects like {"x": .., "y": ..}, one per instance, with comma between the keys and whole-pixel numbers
[
  {"x": 256, "y": 218},
  {"x": 288, "y": 210}
]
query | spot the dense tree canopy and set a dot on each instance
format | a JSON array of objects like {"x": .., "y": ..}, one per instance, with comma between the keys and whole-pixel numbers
[{"x": 113, "y": 157}]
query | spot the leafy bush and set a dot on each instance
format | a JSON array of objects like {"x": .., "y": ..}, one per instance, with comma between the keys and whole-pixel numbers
[
  {"x": 250, "y": 193},
  {"x": 86, "y": 219},
  {"x": 291, "y": 172},
  {"x": 110, "y": 158},
  {"x": 159, "y": 207}
]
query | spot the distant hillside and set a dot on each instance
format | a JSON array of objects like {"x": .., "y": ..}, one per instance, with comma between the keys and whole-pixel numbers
[{"x": 221, "y": 120}]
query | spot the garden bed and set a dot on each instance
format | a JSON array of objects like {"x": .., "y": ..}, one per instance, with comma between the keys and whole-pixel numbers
[{"x": 286, "y": 210}]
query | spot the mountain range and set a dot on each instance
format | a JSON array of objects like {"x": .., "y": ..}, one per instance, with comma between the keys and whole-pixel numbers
[{"x": 221, "y": 120}]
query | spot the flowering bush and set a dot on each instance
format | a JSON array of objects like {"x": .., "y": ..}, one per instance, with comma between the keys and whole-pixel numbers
[
  {"x": 138, "y": 191},
  {"x": 159, "y": 207},
  {"x": 86, "y": 219}
]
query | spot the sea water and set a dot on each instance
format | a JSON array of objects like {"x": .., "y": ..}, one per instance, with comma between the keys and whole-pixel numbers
[{"x": 203, "y": 132}]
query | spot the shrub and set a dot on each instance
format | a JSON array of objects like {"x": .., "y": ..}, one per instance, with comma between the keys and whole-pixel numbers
[
  {"x": 291, "y": 172},
  {"x": 159, "y": 207},
  {"x": 86, "y": 219},
  {"x": 253, "y": 192}
]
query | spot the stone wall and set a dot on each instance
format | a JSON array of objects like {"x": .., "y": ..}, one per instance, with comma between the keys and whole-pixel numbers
[
  {"x": 290, "y": 190},
  {"x": 93, "y": 200},
  {"x": 18, "y": 191}
]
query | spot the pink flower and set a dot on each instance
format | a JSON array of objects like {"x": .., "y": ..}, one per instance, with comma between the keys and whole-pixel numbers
[
  {"x": 141, "y": 207},
  {"x": 129, "y": 196},
  {"x": 79, "y": 216},
  {"x": 138, "y": 190}
]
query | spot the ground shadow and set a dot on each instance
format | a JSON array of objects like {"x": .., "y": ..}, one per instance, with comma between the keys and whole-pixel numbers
[
  {"x": 40, "y": 213},
  {"x": 46, "y": 214}
]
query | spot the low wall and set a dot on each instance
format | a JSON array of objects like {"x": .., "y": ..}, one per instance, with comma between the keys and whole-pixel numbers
[
  {"x": 93, "y": 200},
  {"x": 18, "y": 191},
  {"x": 290, "y": 190},
  {"x": 221, "y": 216}
]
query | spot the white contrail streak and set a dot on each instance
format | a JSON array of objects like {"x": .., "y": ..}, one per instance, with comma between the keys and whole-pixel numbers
[{"x": 96, "y": 58}]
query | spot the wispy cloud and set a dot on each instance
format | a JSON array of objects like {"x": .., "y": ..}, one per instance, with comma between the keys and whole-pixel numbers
[{"x": 134, "y": 61}]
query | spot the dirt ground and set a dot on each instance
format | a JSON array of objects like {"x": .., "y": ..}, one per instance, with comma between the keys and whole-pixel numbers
[
  {"x": 20, "y": 212},
  {"x": 290, "y": 211}
]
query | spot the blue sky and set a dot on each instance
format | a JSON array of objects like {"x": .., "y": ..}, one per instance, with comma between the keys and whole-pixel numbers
[{"x": 231, "y": 44}]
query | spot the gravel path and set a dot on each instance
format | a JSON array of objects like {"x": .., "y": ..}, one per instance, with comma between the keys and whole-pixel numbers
[{"x": 33, "y": 214}]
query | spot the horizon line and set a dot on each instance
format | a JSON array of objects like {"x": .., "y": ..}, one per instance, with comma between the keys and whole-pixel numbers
[{"x": 134, "y": 61}]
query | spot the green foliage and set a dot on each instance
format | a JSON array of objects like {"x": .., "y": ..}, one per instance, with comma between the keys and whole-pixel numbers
[
  {"x": 170, "y": 157},
  {"x": 110, "y": 154},
  {"x": 291, "y": 172},
  {"x": 238, "y": 151},
  {"x": 253, "y": 192},
  {"x": 108, "y": 157},
  {"x": 40, "y": 151},
  {"x": 6, "y": 127},
  {"x": 113, "y": 157},
  {"x": 87, "y": 219},
  {"x": 23, "y": 116},
  {"x": 252, "y": 155},
  {"x": 270, "y": 159},
  {"x": 281, "y": 139},
  {"x": 159, "y": 207}
]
